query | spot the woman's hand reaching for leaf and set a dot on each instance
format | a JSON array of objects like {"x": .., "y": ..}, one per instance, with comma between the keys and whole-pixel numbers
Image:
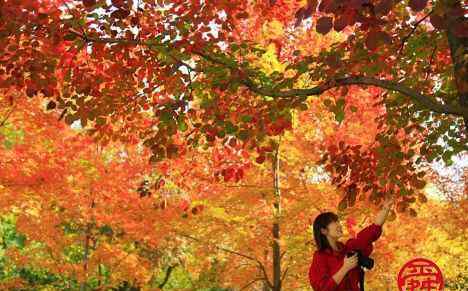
[
  {"x": 388, "y": 203},
  {"x": 383, "y": 213}
]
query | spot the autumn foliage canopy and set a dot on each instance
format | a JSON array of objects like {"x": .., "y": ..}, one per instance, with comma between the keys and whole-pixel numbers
[{"x": 129, "y": 126}]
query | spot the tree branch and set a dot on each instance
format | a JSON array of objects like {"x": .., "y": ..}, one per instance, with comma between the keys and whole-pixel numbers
[
  {"x": 422, "y": 99},
  {"x": 362, "y": 80},
  {"x": 281, "y": 256},
  {"x": 284, "y": 274},
  {"x": 250, "y": 283},
  {"x": 259, "y": 264},
  {"x": 2, "y": 123},
  {"x": 403, "y": 41},
  {"x": 166, "y": 277}
]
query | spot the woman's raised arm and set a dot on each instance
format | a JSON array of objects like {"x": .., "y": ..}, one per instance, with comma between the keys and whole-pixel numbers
[
  {"x": 383, "y": 213},
  {"x": 371, "y": 233}
]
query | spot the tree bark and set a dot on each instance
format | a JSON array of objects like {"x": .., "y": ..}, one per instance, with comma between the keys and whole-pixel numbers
[
  {"x": 85, "y": 258},
  {"x": 276, "y": 224}
]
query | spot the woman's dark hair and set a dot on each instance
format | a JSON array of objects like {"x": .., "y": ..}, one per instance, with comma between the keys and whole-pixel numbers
[{"x": 322, "y": 221}]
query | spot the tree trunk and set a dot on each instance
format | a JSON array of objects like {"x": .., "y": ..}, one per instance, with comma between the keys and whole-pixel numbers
[
  {"x": 276, "y": 224},
  {"x": 86, "y": 251},
  {"x": 85, "y": 258}
]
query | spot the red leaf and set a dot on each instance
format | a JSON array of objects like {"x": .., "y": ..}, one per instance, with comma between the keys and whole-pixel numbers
[
  {"x": 242, "y": 15},
  {"x": 437, "y": 21},
  {"x": 89, "y": 3},
  {"x": 260, "y": 159},
  {"x": 118, "y": 3},
  {"x": 383, "y": 7},
  {"x": 356, "y": 4},
  {"x": 239, "y": 174},
  {"x": 461, "y": 29},
  {"x": 328, "y": 6},
  {"x": 31, "y": 92},
  {"x": 383, "y": 36},
  {"x": 120, "y": 13},
  {"x": 324, "y": 24},
  {"x": 340, "y": 23},
  {"x": 184, "y": 205},
  {"x": 417, "y": 5},
  {"x": 228, "y": 174},
  {"x": 135, "y": 21},
  {"x": 372, "y": 41},
  {"x": 374, "y": 38}
]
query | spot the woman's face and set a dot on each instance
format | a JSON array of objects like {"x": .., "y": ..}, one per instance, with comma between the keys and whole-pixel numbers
[{"x": 333, "y": 230}]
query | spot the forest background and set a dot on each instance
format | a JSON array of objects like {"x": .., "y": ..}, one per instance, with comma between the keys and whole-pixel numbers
[{"x": 188, "y": 145}]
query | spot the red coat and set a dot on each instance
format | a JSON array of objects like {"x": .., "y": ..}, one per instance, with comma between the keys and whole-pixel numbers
[{"x": 326, "y": 263}]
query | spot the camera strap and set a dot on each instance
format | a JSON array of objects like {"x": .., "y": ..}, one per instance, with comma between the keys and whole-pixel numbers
[{"x": 361, "y": 279}]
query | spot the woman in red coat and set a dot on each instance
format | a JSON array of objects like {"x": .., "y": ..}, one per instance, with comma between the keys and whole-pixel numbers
[{"x": 330, "y": 269}]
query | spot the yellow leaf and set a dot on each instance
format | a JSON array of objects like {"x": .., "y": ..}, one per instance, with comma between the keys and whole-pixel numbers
[{"x": 273, "y": 29}]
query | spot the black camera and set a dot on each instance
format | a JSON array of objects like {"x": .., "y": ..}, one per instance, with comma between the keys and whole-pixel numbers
[{"x": 363, "y": 261}]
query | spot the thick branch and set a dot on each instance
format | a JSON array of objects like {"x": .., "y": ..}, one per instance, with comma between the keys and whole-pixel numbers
[
  {"x": 422, "y": 99},
  {"x": 361, "y": 80}
]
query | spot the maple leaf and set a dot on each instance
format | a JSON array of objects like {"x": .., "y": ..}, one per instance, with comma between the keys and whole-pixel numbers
[{"x": 324, "y": 24}]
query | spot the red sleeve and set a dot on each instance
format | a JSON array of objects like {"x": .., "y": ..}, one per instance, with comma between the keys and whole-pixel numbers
[
  {"x": 319, "y": 278},
  {"x": 365, "y": 238}
]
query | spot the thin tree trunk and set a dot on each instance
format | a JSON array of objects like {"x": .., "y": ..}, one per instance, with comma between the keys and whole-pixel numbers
[
  {"x": 85, "y": 259},
  {"x": 86, "y": 252},
  {"x": 276, "y": 224}
]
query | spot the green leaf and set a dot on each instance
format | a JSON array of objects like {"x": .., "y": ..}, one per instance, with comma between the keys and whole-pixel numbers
[
  {"x": 100, "y": 120},
  {"x": 339, "y": 116},
  {"x": 229, "y": 127},
  {"x": 165, "y": 117},
  {"x": 340, "y": 103},
  {"x": 342, "y": 205},
  {"x": 69, "y": 37},
  {"x": 246, "y": 118},
  {"x": 221, "y": 133},
  {"x": 182, "y": 125},
  {"x": 399, "y": 155},
  {"x": 447, "y": 156}
]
